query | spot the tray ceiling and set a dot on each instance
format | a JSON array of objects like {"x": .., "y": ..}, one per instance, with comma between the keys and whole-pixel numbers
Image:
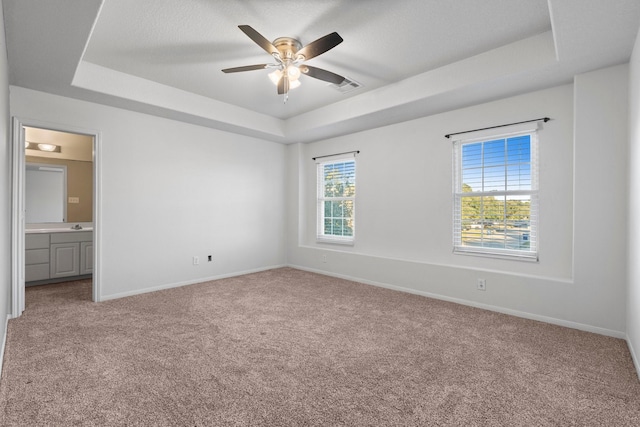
[{"x": 412, "y": 57}]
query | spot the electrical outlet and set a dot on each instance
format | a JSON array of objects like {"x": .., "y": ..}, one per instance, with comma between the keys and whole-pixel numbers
[
  {"x": 324, "y": 258},
  {"x": 196, "y": 260},
  {"x": 209, "y": 258},
  {"x": 482, "y": 285}
]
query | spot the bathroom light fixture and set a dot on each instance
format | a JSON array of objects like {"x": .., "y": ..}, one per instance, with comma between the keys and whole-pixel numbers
[{"x": 49, "y": 148}]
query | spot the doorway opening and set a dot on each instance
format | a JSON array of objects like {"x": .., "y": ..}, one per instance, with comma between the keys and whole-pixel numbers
[{"x": 55, "y": 201}]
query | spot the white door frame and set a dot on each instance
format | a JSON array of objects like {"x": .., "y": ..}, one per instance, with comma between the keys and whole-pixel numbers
[{"x": 18, "y": 211}]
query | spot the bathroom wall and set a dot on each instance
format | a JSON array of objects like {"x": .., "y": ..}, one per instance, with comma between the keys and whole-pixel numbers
[{"x": 79, "y": 185}]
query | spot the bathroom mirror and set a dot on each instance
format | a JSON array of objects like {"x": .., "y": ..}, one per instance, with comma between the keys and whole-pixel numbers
[{"x": 45, "y": 193}]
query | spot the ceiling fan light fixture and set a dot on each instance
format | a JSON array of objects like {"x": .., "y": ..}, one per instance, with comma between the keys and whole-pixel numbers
[
  {"x": 275, "y": 76},
  {"x": 289, "y": 54},
  {"x": 293, "y": 72},
  {"x": 294, "y": 84}
]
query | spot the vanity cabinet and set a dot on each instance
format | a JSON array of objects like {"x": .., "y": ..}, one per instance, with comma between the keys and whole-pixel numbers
[
  {"x": 65, "y": 253},
  {"x": 58, "y": 255},
  {"x": 36, "y": 257}
]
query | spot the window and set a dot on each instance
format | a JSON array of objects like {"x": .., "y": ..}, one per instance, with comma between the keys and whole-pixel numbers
[
  {"x": 336, "y": 201},
  {"x": 496, "y": 195}
]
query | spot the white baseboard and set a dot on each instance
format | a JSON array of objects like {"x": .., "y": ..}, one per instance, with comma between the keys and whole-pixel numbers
[
  {"x": 4, "y": 342},
  {"x": 503, "y": 310},
  {"x": 634, "y": 357},
  {"x": 189, "y": 282}
]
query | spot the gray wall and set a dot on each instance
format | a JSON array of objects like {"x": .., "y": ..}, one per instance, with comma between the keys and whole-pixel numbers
[
  {"x": 633, "y": 298},
  {"x": 172, "y": 191},
  {"x": 5, "y": 187},
  {"x": 404, "y": 208}
]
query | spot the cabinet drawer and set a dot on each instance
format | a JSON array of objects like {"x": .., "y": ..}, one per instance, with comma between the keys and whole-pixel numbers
[
  {"x": 73, "y": 236},
  {"x": 36, "y": 272},
  {"x": 36, "y": 256},
  {"x": 36, "y": 241}
]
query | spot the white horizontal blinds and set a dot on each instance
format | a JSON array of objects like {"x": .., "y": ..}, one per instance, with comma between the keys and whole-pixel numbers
[
  {"x": 336, "y": 200},
  {"x": 496, "y": 194}
]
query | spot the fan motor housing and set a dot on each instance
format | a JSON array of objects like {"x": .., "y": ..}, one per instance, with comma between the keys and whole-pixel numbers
[{"x": 287, "y": 46}]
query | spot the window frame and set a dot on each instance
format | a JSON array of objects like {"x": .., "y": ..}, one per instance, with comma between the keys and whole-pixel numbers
[
  {"x": 459, "y": 195},
  {"x": 321, "y": 199}
]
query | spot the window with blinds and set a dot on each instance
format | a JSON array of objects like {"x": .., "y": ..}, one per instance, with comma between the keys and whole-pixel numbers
[
  {"x": 336, "y": 201},
  {"x": 496, "y": 195}
]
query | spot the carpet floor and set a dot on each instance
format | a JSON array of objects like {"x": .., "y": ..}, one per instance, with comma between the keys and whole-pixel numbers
[{"x": 291, "y": 348}]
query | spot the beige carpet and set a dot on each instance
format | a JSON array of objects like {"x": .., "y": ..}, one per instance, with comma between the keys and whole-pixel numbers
[{"x": 291, "y": 348}]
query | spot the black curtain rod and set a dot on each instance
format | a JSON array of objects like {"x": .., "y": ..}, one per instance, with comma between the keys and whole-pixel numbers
[
  {"x": 544, "y": 119},
  {"x": 337, "y": 154}
]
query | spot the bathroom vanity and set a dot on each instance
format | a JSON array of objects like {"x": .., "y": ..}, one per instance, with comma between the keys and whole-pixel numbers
[{"x": 52, "y": 254}]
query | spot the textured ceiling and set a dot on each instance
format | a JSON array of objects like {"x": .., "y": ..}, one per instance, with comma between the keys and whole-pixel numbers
[
  {"x": 166, "y": 40},
  {"x": 413, "y": 57}
]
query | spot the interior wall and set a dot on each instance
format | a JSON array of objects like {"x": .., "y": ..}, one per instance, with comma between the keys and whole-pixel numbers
[
  {"x": 404, "y": 209},
  {"x": 600, "y": 193},
  {"x": 79, "y": 184},
  {"x": 633, "y": 298},
  {"x": 404, "y": 185},
  {"x": 5, "y": 189},
  {"x": 171, "y": 191}
]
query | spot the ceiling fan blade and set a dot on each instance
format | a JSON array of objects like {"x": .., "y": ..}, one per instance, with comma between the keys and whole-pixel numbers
[
  {"x": 283, "y": 85},
  {"x": 320, "y": 46},
  {"x": 245, "y": 68},
  {"x": 259, "y": 39},
  {"x": 320, "y": 74}
]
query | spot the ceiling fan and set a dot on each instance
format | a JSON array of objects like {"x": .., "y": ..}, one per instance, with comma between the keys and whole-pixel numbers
[{"x": 290, "y": 55}]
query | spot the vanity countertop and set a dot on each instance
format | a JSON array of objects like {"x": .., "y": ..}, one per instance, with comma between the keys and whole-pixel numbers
[{"x": 51, "y": 228}]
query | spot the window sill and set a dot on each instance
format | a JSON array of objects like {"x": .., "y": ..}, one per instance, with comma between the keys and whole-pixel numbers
[
  {"x": 526, "y": 257},
  {"x": 330, "y": 241}
]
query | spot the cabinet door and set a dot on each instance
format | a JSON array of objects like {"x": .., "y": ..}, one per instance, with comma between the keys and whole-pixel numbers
[
  {"x": 86, "y": 257},
  {"x": 65, "y": 259}
]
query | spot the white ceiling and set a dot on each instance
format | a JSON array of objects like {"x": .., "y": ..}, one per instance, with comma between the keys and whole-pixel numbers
[{"x": 413, "y": 57}]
